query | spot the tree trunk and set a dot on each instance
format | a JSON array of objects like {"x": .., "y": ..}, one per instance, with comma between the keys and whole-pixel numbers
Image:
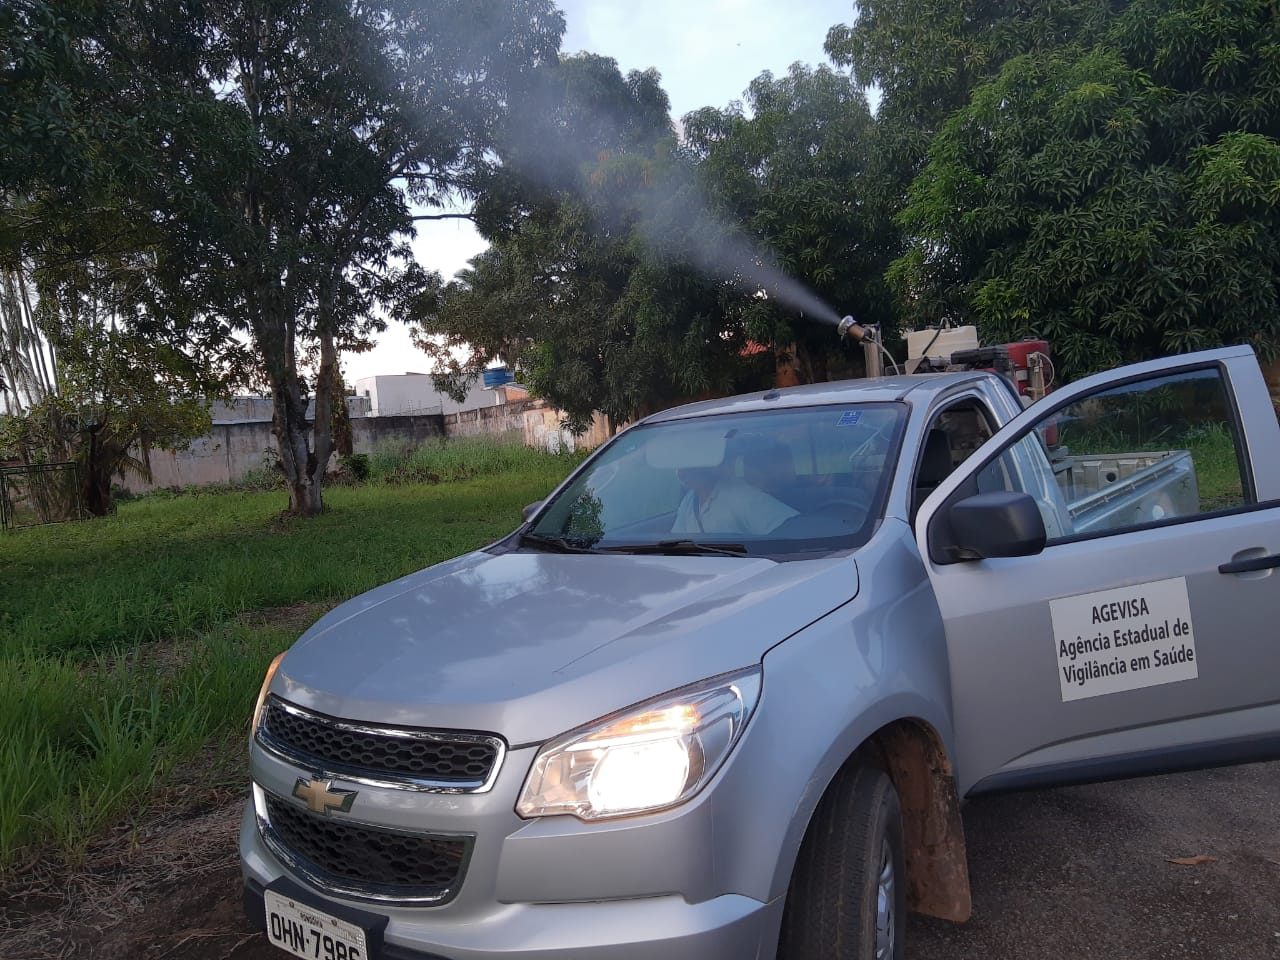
[
  {"x": 96, "y": 478},
  {"x": 275, "y": 330},
  {"x": 305, "y": 446},
  {"x": 811, "y": 364},
  {"x": 343, "y": 441},
  {"x": 289, "y": 423},
  {"x": 12, "y": 372},
  {"x": 326, "y": 381},
  {"x": 48, "y": 368}
]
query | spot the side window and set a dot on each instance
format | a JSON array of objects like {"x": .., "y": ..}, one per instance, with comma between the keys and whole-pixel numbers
[
  {"x": 1159, "y": 449},
  {"x": 953, "y": 435},
  {"x": 1026, "y": 467}
]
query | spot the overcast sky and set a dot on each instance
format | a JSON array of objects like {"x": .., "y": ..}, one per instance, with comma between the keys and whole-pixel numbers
[{"x": 707, "y": 51}]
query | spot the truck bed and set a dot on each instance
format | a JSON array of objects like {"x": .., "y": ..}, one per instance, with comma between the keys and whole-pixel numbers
[{"x": 1119, "y": 489}]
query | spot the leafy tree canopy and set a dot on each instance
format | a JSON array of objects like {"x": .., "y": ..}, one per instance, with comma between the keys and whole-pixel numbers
[
  {"x": 926, "y": 56},
  {"x": 591, "y": 289},
  {"x": 267, "y": 157},
  {"x": 1122, "y": 199},
  {"x": 802, "y": 167},
  {"x": 98, "y": 365},
  {"x": 214, "y": 174}
]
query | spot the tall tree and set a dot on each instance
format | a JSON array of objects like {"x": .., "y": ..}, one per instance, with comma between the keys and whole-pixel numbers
[
  {"x": 1122, "y": 199},
  {"x": 341, "y": 119},
  {"x": 267, "y": 158},
  {"x": 803, "y": 167},
  {"x": 99, "y": 366},
  {"x": 105, "y": 381},
  {"x": 925, "y": 57},
  {"x": 591, "y": 288}
]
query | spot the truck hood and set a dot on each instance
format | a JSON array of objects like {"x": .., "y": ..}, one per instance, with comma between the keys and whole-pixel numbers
[{"x": 529, "y": 645}]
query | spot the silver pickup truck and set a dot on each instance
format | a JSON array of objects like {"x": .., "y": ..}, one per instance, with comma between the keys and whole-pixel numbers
[{"x": 722, "y": 694}]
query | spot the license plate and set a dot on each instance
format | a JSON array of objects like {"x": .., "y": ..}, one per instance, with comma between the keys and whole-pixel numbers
[{"x": 304, "y": 931}]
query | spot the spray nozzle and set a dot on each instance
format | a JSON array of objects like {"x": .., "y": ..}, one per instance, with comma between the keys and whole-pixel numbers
[
  {"x": 851, "y": 328},
  {"x": 869, "y": 336}
]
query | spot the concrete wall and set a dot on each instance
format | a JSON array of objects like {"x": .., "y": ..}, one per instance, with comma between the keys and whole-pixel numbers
[
  {"x": 230, "y": 450},
  {"x": 260, "y": 408},
  {"x": 531, "y": 422},
  {"x": 226, "y": 453},
  {"x": 370, "y": 432}
]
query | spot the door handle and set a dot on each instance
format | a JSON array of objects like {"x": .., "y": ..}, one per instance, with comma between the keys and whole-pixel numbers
[{"x": 1251, "y": 565}]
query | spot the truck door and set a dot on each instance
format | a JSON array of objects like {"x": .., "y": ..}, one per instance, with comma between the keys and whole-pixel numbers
[{"x": 1144, "y": 635}]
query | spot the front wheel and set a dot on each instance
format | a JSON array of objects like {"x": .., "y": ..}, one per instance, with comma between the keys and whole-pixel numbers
[{"x": 847, "y": 899}]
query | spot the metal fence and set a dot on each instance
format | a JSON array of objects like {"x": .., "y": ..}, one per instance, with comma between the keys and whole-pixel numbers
[{"x": 35, "y": 494}]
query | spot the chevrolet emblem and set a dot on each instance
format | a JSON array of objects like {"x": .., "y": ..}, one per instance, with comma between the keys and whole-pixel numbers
[{"x": 321, "y": 796}]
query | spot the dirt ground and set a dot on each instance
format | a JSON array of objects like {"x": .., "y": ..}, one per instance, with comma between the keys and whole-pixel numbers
[{"x": 1081, "y": 872}]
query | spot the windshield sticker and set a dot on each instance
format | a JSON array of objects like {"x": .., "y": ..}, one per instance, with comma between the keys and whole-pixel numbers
[
  {"x": 849, "y": 418},
  {"x": 1117, "y": 640}
]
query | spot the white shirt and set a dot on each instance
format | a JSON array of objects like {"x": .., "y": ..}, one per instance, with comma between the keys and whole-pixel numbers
[{"x": 733, "y": 506}]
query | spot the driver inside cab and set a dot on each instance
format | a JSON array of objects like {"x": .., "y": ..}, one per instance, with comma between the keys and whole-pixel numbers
[{"x": 718, "y": 502}]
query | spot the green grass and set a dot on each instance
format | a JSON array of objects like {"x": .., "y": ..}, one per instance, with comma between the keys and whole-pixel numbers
[
  {"x": 1212, "y": 448},
  {"x": 130, "y": 642},
  {"x": 442, "y": 461},
  {"x": 1213, "y": 451}
]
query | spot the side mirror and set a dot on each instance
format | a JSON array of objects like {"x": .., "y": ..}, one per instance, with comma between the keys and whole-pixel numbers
[
  {"x": 531, "y": 509},
  {"x": 997, "y": 524}
]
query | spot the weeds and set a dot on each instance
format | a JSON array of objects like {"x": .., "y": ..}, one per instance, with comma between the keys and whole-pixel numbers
[
  {"x": 443, "y": 461},
  {"x": 129, "y": 643},
  {"x": 1211, "y": 444},
  {"x": 396, "y": 462}
]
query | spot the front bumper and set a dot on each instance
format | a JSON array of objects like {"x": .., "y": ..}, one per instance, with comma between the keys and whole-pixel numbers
[{"x": 729, "y": 927}]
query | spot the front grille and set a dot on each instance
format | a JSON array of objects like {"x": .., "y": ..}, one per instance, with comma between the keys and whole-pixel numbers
[
  {"x": 448, "y": 759},
  {"x": 354, "y": 858}
]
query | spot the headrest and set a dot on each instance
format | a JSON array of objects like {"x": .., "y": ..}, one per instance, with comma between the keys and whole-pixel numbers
[{"x": 936, "y": 464}]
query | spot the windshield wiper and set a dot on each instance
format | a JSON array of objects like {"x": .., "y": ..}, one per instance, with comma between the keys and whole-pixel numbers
[
  {"x": 558, "y": 544},
  {"x": 680, "y": 547}
]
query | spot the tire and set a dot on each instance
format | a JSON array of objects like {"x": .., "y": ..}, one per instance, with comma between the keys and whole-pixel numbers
[{"x": 850, "y": 875}]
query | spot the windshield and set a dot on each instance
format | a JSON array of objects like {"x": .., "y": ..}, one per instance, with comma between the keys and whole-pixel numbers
[{"x": 766, "y": 483}]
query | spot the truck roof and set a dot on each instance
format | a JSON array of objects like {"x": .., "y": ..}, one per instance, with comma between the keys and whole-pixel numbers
[{"x": 922, "y": 385}]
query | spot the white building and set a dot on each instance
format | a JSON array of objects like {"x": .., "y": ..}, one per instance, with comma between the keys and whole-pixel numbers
[
  {"x": 409, "y": 393},
  {"x": 257, "y": 409}
]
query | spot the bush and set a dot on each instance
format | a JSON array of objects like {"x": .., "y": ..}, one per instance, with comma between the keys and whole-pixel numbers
[
  {"x": 356, "y": 466},
  {"x": 266, "y": 476},
  {"x": 121, "y": 494}
]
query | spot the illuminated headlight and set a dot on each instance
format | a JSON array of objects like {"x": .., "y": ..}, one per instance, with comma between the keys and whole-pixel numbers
[
  {"x": 262, "y": 693},
  {"x": 650, "y": 757}
]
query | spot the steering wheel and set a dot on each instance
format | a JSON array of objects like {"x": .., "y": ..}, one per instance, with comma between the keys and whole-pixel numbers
[{"x": 839, "y": 505}]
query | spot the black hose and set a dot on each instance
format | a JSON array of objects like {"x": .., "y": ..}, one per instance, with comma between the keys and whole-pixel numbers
[{"x": 924, "y": 354}]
